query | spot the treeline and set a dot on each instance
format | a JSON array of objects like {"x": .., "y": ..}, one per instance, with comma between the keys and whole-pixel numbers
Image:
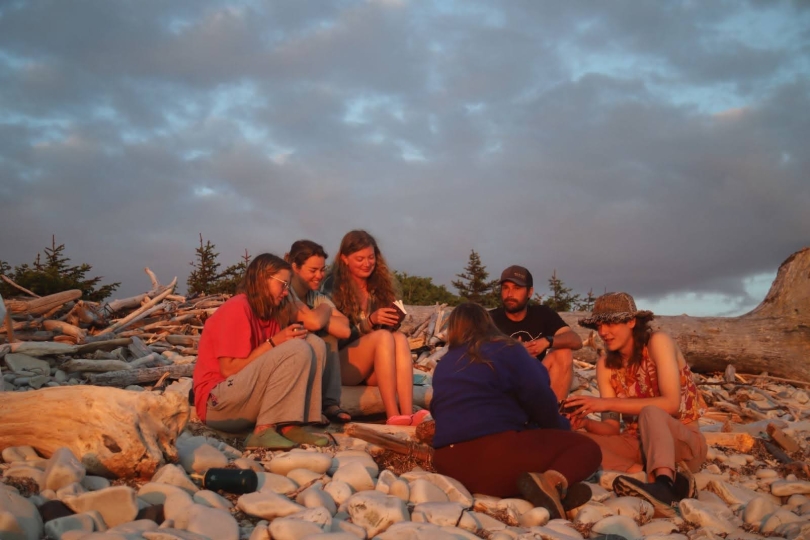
[{"x": 52, "y": 272}]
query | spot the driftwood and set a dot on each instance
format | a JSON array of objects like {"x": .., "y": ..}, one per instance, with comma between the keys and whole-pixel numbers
[
  {"x": 139, "y": 376},
  {"x": 40, "y": 306},
  {"x": 397, "y": 440},
  {"x": 115, "y": 433},
  {"x": 135, "y": 315}
]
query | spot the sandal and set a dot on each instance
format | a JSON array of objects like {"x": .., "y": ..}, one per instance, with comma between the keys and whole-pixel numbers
[
  {"x": 408, "y": 419},
  {"x": 336, "y": 414},
  {"x": 269, "y": 439}
]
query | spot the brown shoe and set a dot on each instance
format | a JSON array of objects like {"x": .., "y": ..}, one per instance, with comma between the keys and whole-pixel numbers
[{"x": 543, "y": 490}]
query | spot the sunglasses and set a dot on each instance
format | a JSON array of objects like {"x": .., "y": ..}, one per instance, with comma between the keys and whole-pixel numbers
[{"x": 285, "y": 285}]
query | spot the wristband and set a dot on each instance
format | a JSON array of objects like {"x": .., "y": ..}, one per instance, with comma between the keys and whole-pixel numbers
[
  {"x": 271, "y": 342},
  {"x": 550, "y": 340}
]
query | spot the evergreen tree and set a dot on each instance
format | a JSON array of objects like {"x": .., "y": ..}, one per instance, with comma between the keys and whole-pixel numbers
[
  {"x": 421, "y": 291},
  {"x": 229, "y": 279},
  {"x": 53, "y": 275},
  {"x": 587, "y": 303},
  {"x": 560, "y": 298},
  {"x": 473, "y": 284},
  {"x": 204, "y": 277}
]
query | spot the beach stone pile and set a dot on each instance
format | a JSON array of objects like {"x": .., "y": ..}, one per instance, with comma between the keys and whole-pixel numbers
[{"x": 340, "y": 493}]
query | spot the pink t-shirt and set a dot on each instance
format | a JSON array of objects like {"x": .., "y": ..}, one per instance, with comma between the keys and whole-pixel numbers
[{"x": 234, "y": 331}]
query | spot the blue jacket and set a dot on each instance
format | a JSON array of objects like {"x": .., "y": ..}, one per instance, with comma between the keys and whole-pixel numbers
[{"x": 471, "y": 400}]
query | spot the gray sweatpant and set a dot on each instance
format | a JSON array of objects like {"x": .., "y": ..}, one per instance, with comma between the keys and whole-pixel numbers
[
  {"x": 331, "y": 373},
  {"x": 281, "y": 386}
]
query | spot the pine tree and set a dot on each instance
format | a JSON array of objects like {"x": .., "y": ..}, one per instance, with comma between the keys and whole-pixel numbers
[
  {"x": 587, "y": 303},
  {"x": 229, "y": 279},
  {"x": 203, "y": 278},
  {"x": 421, "y": 291},
  {"x": 561, "y": 298},
  {"x": 473, "y": 284}
]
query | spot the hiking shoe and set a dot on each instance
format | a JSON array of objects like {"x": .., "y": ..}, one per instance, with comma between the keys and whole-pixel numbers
[
  {"x": 576, "y": 495},
  {"x": 685, "y": 484},
  {"x": 662, "y": 496},
  {"x": 301, "y": 436},
  {"x": 269, "y": 439},
  {"x": 543, "y": 490}
]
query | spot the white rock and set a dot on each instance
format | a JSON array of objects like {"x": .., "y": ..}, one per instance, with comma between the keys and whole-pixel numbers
[
  {"x": 316, "y": 497},
  {"x": 766, "y": 473},
  {"x": 176, "y": 509},
  {"x": 384, "y": 481},
  {"x": 799, "y": 530},
  {"x": 620, "y": 525},
  {"x": 155, "y": 493},
  {"x": 212, "y": 522},
  {"x": 536, "y": 517},
  {"x": 175, "y": 476},
  {"x": 12, "y": 454},
  {"x": 415, "y": 531},
  {"x": 323, "y": 536},
  {"x": 705, "y": 476},
  {"x": 563, "y": 527},
  {"x": 658, "y": 527},
  {"x": 267, "y": 505},
  {"x": 319, "y": 516},
  {"x": 518, "y": 506},
  {"x": 70, "y": 490},
  {"x": 95, "y": 483},
  {"x": 275, "y": 483},
  {"x": 780, "y": 517},
  {"x": 400, "y": 489},
  {"x": 795, "y": 501},
  {"x": 116, "y": 504},
  {"x": 703, "y": 515},
  {"x": 451, "y": 487},
  {"x": 55, "y": 528},
  {"x": 293, "y": 529},
  {"x": 24, "y": 471},
  {"x": 741, "y": 459},
  {"x": 134, "y": 527},
  {"x": 478, "y": 521},
  {"x": 261, "y": 531},
  {"x": 375, "y": 511},
  {"x": 303, "y": 477},
  {"x": 245, "y": 463},
  {"x": 783, "y": 488},
  {"x": 170, "y": 534},
  {"x": 20, "y": 363},
  {"x": 423, "y": 491},
  {"x": 666, "y": 537},
  {"x": 804, "y": 509},
  {"x": 356, "y": 475},
  {"x": 19, "y": 515},
  {"x": 731, "y": 494},
  {"x": 756, "y": 510},
  {"x": 633, "y": 507},
  {"x": 197, "y": 456},
  {"x": 209, "y": 498},
  {"x": 438, "y": 513},
  {"x": 299, "y": 459},
  {"x": 342, "y": 526},
  {"x": 591, "y": 512},
  {"x": 598, "y": 493},
  {"x": 346, "y": 456},
  {"x": 339, "y": 491}
]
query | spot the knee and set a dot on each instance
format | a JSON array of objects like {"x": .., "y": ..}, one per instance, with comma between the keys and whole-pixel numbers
[
  {"x": 562, "y": 359},
  {"x": 382, "y": 338},
  {"x": 317, "y": 344},
  {"x": 650, "y": 414}
]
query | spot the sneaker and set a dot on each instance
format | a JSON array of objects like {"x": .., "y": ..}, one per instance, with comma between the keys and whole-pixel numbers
[
  {"x": 269, "y": 439},
  {"x": 301, "y": 436},
  {"x": 543, "y": 490},
  {"x": 576, "y": 495},
  {"x": 660, "y": 495}
]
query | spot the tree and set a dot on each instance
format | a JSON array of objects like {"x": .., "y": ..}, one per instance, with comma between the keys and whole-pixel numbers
[
  {"x": 560, "y": 298},
  {"x": 587, "y": 303},
  {"x": 473, "y": 284},
  {"x": 53, "y": 275},
  {"x": 421, "y": 291},
  {"x": 229, "y": 279},
  {"x": 204, "y": 276}
]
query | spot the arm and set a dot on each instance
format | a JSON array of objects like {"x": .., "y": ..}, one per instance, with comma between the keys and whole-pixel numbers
[
  {"x": 339, "y": 325},
  {"x": 229, "y": 365},
  {"x": 564, "y": 338},
  {"x": 533, "y": 390},
  {"x": 605, "y": 426},
  {"x": 312, "y": 319}
]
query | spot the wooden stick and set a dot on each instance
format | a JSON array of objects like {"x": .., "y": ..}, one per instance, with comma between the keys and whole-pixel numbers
[
  {"x": 742, "y": 442},
  {"x": 136, "y": 315},
  {"x": 778, "y": 379},
  {"x": 389, "y": 442},
  {"x": 39, "y": 306},
  {"x": 23, "y": 289},
  {"x": 140, "y": 376}
]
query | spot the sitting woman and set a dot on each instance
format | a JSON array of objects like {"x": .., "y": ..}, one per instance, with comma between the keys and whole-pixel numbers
[
  {"x": 318, "y": 314},
  {"x": 643, "y": 377},
  {"x": 375, "y": 353},
  {"x": 498, "y": 429},
  {"x": 251, "y": 373}
]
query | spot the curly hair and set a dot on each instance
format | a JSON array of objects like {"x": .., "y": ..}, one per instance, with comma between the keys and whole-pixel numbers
[
  {"x": 254, "y": 286},
  {"x": 641, "y": 336},
  {"x": 381, "y": 285},
  {"x": 302, "y": 250},
  {"x": 471, "y": 326}
]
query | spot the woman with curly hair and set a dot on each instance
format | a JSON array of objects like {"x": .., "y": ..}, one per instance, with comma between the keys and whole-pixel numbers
[{"x": 375, "y": 353}]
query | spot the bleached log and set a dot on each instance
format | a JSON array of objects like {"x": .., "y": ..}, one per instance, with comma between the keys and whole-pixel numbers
[
  {"x": 140, "y": 376},
  {"x": 43, "y": 349},
  {"x": 103, "y": 345},
  {"x": 88, "y": 365},
  {"x": 40, "y": 306},
  {"x": 19, "y": 287},
  {"x": 66, "y": 329},
  {"x": 153, "y": 278},
  {"x": 115, "y": 433},
  {"x": 188, "y": 341},
  {"x": 124, "y": 303},
  {"x": 139, "y": 312}
]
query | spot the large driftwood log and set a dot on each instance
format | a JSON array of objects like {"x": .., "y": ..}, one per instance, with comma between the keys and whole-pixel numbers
[
  {"x": 115, "y": 433},
  {"x": 140, "y": 376},
  {"x": 39, "y": 306}
]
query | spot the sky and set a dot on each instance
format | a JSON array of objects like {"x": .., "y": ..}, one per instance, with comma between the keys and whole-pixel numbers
[{"x": 660, "y": 148}]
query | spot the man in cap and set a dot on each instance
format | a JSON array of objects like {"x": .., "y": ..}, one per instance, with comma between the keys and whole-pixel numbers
[{"x": 542, "y": 331}]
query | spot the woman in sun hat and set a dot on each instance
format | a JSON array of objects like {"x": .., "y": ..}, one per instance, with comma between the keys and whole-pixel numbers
[{"x": 643, "y": 377}]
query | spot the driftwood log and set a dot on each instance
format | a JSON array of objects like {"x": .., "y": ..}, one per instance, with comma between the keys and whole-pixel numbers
[{"x": 115, "y": 433}]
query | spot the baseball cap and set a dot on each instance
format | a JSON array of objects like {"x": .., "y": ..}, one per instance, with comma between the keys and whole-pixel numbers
[{"x": 518, "y": 275}]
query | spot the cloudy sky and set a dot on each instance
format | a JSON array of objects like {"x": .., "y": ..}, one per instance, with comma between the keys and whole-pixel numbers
[{"x": 655, "y": 147}]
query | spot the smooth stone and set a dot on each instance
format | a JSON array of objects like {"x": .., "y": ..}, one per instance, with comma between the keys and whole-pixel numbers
[
  {"x": 740, "y": 459},
  {"x": 339, "y": 491},
  {"x": 451, "y": 487},
  {"x": 347, "y": 456},
  {"x": 423, "y": 491},
  {"x": 400, "y": 489},
  {"x": 518, "y": 506},
  {"x": 801, "y": 396},
  {"x": 211, "y": 499},
  {"x": 384, "y": 481},
  {"x": 176, "y": 510},
  {"x": 756, "y": 510},
  {"x": 478, "y": 521},
  {"x": 407, "y": 530},
  {"x": 78, "y": 522},
  {"x": 135, "y": 527},
  {"x": 795, "y": 501},
  {"x": 343, "y": 526},
  {"x": 155, "y": 493},
  {"x": 293, "y": 529},
  {"x": 320, "y": 536},
  {"x": 173, "y": 534},
  {"x": 623, "y": 526},
  {"x": 598, "y": 493},
  {"x": 38, "y": 381},
  {"x": 267, "y": 505},
  {"x": 703, "y": 515},
  {"x": 302, "y": 477},
  {"x": 261, "y": 531},
  {"x": 245, "y": 463},
  {"x": 591, "y": 512},
  {"x": 563, "y": 527},
  {"x": 275, "y": 483},
  {"x": 633, "y": 507},
  {"x": 71, "y": 490},
  {"x": 766, "y": 473},
  {"x": 21, "y": 363},
  {"x": 95, "y": 483},
  {"x": 299, "y": 459},
  {"x": 799, "y": 530},
  {"x": 731, "y": 494},
  {"x": 19, "y": 453},
  {"x": 24, "y": 471},
  {"x": 536, "y": 517},
  {"x": 356, "y": 474},
  {"x": 375, "y": 511},
  {"x": 197, "y": 456},
  {"x": 780, "y": 517},
  {"x": 19, "y": 515},
  {"x": 316, "y": 497},
  {"x": 60, "y": 376},
  {"x": 804, "y": 509},
  {"x": 658, "y": 527},
  {"x": 175, "y": 476},
  {"x": 666, "y": 537},
  {"x": 319, "y": 516},
  {"x": 212, "y": 522},
  {"x": 115, "y": 504},
  {"x": 438, "y": 513},
  {"x": 783, "y": 488}
]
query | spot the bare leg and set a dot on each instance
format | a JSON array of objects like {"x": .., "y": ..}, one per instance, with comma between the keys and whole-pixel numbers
[
  {"x": 372, "y": 359},
  {"x": 560, "y": 366},
  {"x": 404, "y": 365}
]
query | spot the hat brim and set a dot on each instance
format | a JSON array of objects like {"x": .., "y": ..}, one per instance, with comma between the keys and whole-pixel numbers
[
  {"x": 594, "y": 321},
  {"x": 515, "y": 281}
]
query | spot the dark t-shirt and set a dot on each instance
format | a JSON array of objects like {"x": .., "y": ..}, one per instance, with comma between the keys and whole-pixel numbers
[{"x": 540, "y": 321}]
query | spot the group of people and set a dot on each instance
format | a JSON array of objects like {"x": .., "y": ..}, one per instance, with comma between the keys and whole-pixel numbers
[{"x": 273, "y": 359}]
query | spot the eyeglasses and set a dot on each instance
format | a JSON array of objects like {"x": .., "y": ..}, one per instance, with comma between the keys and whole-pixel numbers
[{"x": 285, "y": 285}]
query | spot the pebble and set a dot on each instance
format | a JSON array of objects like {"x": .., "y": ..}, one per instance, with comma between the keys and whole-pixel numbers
[
  {"x": 116, "y": 504},
  {"x": 212, "y": 522},
  {"x": 63, "y": 469},
  {"x": 783, "y": 488},
  {"x": 451, "y": 487},
  {"x": 438, "y": 513},
  {"x": 658, "y": 527},
  {"x": 214, "y": 500},
  {"x": 623, "y": 526},
  {"x": 339, "y": 491},
  {"x": 384, "y": 481},
  {"x": 22, "y": 363},
  {"x": 157, "y": 493},
  {"x": 197, "y": 456},
  {"x": 293, "y": 529},
  {"x": 302, "y": 477},
  {"x": 13, "y": 454},
  {"x": 316, "y": 497},
  {"x": 731, "y": 494},
  {"x": 375, "y": 511},
  {"x": 780, "y": 517},
  {"x": 95, "y": 483},
  {"x": 300, "y": 459},
  {"x": 703, "y": 515},
  {"x": 77, "y": 522},
  {"x": 267, "y": 505},
  {"x": 756, "y": 510},
  {"x": 536, "y": 517},
  {"x": 245, "y": 463},
  {"x": 591, "y": 513},
  {"x": 356, "y": 474},
  {"x": 345, "y": 456},
  {"x": 24, "y": 471},
  {"x": 477, "y": 521},
  {"x": 175, "y": 476},
  {"x": 275, "y": 483},
  {"x": 401, "y": 490},
  {"x": 19, "y": 515},
  {"x": 422, "y": 491}
]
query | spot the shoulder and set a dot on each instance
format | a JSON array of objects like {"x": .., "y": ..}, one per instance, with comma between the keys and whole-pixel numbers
[
  {"x": 660, "y": 341},
  {"x": 235, "y": 304},
  {"x": 316, "y": 298},
  {"x": 497, "y": 314},
  {"x": 539, "y": 311}
]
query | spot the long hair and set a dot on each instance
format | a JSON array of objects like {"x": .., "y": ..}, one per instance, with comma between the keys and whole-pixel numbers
[
  {"x": 302, "y": 250},
  {"x": 471, "y": 326},
  {"x": 641, "y": 336},
  {"x": 254, "y": 286},
  {"x": 380, "y": 283}
]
